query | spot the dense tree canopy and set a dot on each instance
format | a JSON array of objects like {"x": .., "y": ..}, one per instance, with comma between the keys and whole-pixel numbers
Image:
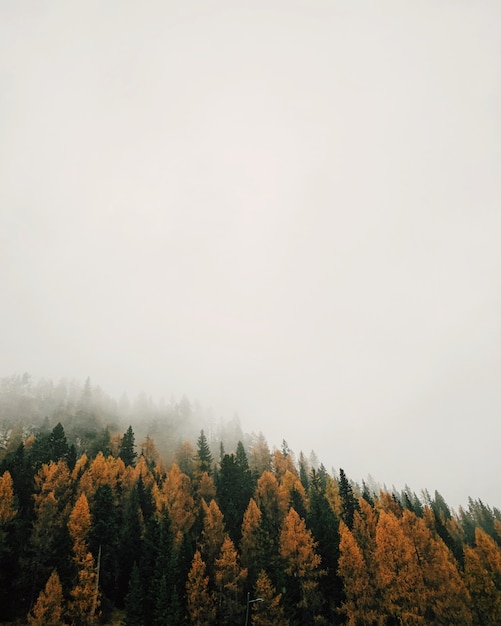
[{"x": 103, "y": 534}]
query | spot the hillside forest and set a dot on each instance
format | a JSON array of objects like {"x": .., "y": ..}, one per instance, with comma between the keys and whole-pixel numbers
[{"x": 114, "y": 512}]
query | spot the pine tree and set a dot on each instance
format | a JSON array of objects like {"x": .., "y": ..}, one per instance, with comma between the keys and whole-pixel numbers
[
  {"x": 348, "y": 500},
  {"x": 127, "y": 450},
  {"x": 134, "y": 600},
  {"x": 204, "y": 456},
  {"x": 7, "y": 507},
  {"x": 48, "y": 609}
]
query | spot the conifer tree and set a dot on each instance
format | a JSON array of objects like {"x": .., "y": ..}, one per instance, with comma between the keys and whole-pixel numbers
[
  {"x": 134, "y": 600},
  {"x": 213, "y": 533},
  {"x": 348, "y": 501},
  {"x": 229, "y": 579},
  {"x": 252, "y": 550},
  {"x": 399, "y": 576},
  {"x": 301, "y": 563},
  {"x": 269, "y": 610},
  {"x": 360, "y": 605},
  {"x": 127, "y": 450},
  {"x": 200, "y": 601},
  {"x": 483, "y": 578},
  {"x": 48, "y": 609},
  {"x": 204, "y": 456},
  {"x": 84, "y": 595}
]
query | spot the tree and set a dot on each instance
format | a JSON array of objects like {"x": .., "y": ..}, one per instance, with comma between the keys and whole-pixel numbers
[
  {"x": 176, "y": 493},
  {"x": 200, "y": 601},
  {"x": 446, "y": 596},
  {"x": 360, "y": 605},
  {"x": 134, "y": 600},
  {"x": 213, "y": 532},
  {"x": 269, "y": 612},
  {"x": 229, "y": 579},
  {"x": 48, "y": 609},
  {"x": 348, "y": 501},
  {"x": 483, "y": 577},
  {"x": 7, "y": 507},
  {"x": 127, "y": 450},
  {"x": 301, "y": 563},
  {"x": 399, "y": 577},
  {"x": 84, "y": 595},
  {"x": 204, "y": 456},
  {"x": 253, "y": 554}
]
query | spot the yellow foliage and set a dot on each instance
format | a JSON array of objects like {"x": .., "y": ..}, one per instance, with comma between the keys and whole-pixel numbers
[
  {"x": 48, "y": 609},
  {"x": 7, "y": 509}
]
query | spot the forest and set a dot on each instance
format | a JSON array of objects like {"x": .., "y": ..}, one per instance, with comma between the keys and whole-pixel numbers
[{"x": 124, "y": 513}]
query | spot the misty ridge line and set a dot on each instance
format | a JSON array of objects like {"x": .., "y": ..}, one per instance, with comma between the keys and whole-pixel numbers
[{"x": 30, "y": 406}]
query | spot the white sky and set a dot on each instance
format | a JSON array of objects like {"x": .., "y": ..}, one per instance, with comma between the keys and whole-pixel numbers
[{"x": 288, "y": 209}]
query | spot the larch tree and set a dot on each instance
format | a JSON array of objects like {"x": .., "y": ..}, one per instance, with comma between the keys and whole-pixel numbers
[
  {"x": 268, "y": 611},
  {"x": 49, "y": 608},
  {"x": 7, "y": 506},
  {"x": 213, "y": 533},
  {"x": 483, "y": 578},
  {"x": 399, "y": 577},
  {"x": 176, "y": 493},
  {"x": 251, "y": 549},
  {"x": 84, "y": 595},
  {"x": 200, "y": 600},
  {"x": 229, "y": 579},
  {"x": 446, "y": 597},
  {"x": 361, "y": 604},
  {"x": 301, "y": 563}
]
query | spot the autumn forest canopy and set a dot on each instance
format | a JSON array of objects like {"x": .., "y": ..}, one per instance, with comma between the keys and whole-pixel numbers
[{"x": 144, "y": 513}]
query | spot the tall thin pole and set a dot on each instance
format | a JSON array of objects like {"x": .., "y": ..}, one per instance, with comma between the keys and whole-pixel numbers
[{"x": 247, "y": 609}]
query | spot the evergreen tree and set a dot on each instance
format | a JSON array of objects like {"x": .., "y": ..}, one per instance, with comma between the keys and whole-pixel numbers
[
  {"x": 348, "y": 500},
  {"x": 127, "y": 450},
  {"x": 134, "y": 600},
  {"x": 204, "y": 456}
]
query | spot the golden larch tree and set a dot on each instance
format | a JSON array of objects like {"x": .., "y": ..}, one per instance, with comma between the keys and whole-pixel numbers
[
  {"x": 483, "y": 578},
  {"x": 297, "y": 549},
  {"x": 361, "y": 604},
  {"x": 84, "y": 595},
  {"x": 267, "y": 611},
  {"x": 249, "y": 545},
  {"x": 213, "y": 532},
  {"x": 446, "y": 597},
  {"x": 399, "y": 577},
  {"x": 48, "y": 609},
  {"x": 178, "y": 499},
  {"x": 7, "y": 506},
  {"x": 200, "y": 600},
  {"x": 229, "y": 579}
]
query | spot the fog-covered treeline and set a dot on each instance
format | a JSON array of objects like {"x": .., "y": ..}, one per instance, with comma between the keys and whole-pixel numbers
[{"x": 99, "y": 527}]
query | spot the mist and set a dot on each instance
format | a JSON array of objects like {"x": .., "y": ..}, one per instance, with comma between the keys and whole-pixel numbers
[{"x": 284, "y": 210}]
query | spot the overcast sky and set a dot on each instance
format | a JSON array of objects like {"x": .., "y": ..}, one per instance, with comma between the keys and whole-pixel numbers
[{"x": 288, "y": 209}]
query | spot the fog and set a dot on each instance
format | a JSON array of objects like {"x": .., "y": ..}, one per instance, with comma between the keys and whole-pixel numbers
[{"x": 287, "y": 210}]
